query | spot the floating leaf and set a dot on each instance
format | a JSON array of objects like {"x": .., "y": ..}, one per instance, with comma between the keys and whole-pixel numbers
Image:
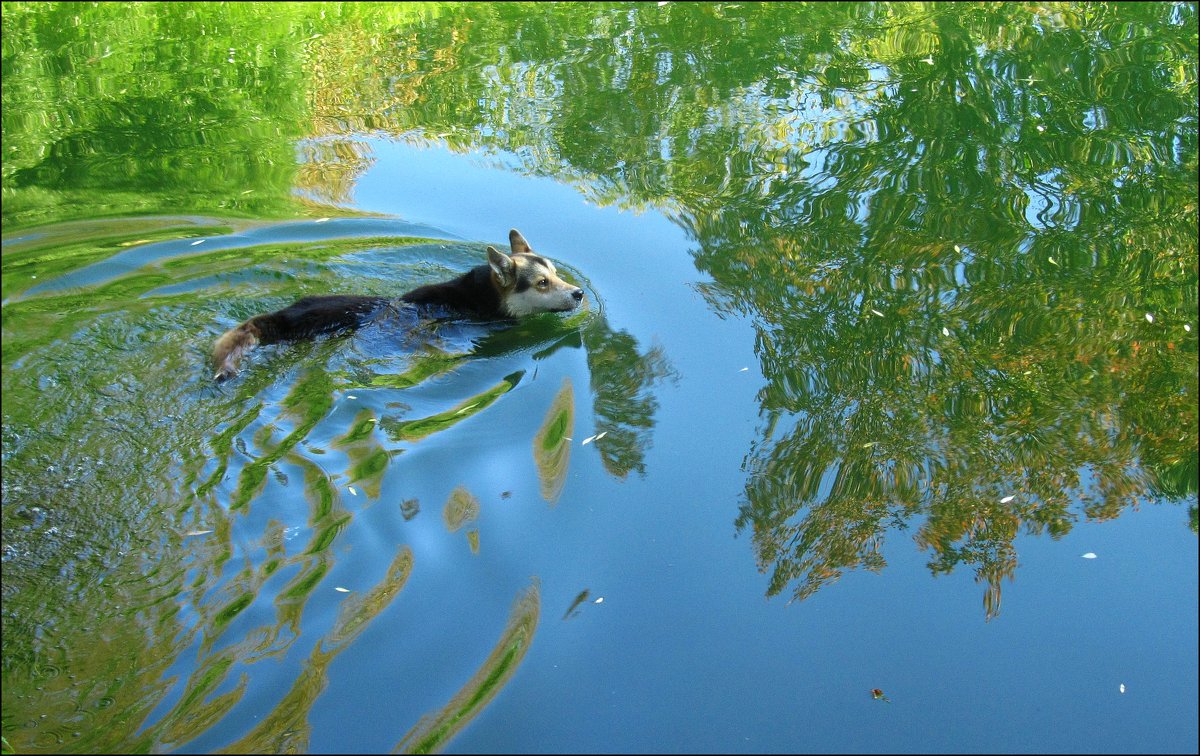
[
  {"x": 1090, "y": 555},
  {"x": 351, "y": 489},
  {"x": 877, "y": 694},
  {"x": 340, "y": 589},
  {"x": 1052, "y": 261},
  {"x": 198, "y": 241},
  {"x": 599, "y": 600}
]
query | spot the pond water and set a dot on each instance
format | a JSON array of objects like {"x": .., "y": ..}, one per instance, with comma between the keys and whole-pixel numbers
[{"x": 876, "y": 432}]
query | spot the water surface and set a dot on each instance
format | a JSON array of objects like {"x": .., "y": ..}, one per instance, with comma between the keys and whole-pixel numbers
[{"x": 877, "y": 431}]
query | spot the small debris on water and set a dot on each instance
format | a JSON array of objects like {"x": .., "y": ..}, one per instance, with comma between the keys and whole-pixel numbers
[
  {"x": 351, "y": 490},
  {"x": 1090, "y": 555},
  {"x": 1007, "y": 499},
  {"x": 1122, "y": 687},
  {"x": 340, "y": 589}
]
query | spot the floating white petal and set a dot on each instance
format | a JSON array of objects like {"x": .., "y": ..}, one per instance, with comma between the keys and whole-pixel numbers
[{"x": 1090, "y": 555}]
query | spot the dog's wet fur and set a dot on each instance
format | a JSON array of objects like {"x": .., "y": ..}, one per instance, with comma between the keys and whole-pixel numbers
[{"x": 506, "y": 287}]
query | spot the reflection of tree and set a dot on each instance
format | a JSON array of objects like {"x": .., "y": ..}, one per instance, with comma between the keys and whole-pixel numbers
[
  {"x": 622, "y": 382},
  {"x": 1012, "y": 189},
  {"x": 436, "y": 729},
  {"x": 946, "y": 224},
  {"x": 622, "y": 379},
  {"x": 552, "y": 443}
]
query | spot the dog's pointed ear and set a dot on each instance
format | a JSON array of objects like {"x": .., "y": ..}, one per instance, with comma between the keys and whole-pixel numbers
[
  {"x": 503, "y": 266},
  {"x": 519, "y": 245}
]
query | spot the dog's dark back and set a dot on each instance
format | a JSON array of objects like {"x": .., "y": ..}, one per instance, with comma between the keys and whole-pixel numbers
[{"x": 472, "y": 293}]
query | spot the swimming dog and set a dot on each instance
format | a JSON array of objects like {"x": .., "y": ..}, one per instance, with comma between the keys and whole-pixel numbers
[{"x": 506, "y": 287}]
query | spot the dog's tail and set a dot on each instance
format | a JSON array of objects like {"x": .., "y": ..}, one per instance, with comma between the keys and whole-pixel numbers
[{"x": 228, "y": 349}]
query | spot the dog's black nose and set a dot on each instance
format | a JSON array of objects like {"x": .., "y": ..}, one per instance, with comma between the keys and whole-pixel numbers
[{"x": 578, "y": 294}]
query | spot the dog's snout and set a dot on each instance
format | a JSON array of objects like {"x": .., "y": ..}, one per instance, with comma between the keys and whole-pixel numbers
[{"x": 577, "y": 295}]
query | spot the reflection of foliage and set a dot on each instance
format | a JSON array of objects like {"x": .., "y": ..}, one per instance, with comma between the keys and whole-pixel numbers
[
  {"x": 98, "y": 111},
  {"x": 462, "y": 507},
  {"x": 622, "y": 381},
  {"x": 552, "y": 444},
  {"x": 435, "y": 730},
  {"x": 946, "y": 224},
  {"x": 286, "y": 728},
  {"x": 1011, "y": 188}
]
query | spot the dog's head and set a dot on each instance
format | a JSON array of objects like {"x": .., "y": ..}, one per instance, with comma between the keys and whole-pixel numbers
[{"x": 529, "y": 283}]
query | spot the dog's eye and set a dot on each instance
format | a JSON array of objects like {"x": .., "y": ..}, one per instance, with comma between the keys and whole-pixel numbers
[{"x": 543, "y": 283}]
